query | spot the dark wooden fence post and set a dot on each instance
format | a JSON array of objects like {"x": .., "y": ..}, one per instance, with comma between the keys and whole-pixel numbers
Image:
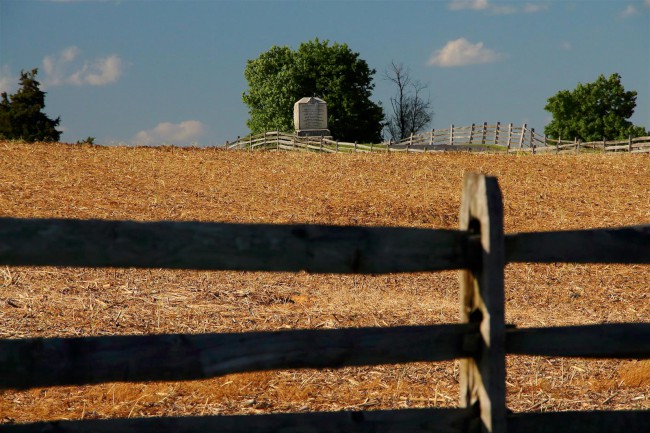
[
  {"x": 509, "y": 137},
  {"x": 482, "y": 377},
  {"x": 484, "y": 133}
]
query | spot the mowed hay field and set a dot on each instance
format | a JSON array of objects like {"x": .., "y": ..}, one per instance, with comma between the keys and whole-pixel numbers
[{"x": 416, "y": 190}]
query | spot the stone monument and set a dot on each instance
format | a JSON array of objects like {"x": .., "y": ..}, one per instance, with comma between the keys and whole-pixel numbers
[{"x": 310, "y": 117}]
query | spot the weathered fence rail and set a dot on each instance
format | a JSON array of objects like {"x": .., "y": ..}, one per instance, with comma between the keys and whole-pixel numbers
[
  {"x": 480, "y": 250},
  {"x": 474, "y": 138}
]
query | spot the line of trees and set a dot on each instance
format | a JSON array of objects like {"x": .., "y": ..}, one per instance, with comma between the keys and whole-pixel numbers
[{"x": 281, "y": 76}]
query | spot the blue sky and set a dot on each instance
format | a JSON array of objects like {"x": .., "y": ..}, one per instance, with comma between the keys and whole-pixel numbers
[{"x": 153, "y": 72}]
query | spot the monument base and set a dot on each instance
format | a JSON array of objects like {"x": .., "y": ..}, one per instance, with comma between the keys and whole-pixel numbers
[{"x": 314, "y": 133}]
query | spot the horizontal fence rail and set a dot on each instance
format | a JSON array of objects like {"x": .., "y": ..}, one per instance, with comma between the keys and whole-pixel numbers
[
  {"x": 614, "y": 340},
  {"x": 456, "y": 420},
  {"x": 40, "y": 362},
  {"x": 291, "y": 248},
  {"x": 481, "y": 340},
  {"x": 579, "y": 422},
  {"x": 433, "y": 420},
  {"x": 621, "y": 245},
  {"x": 492, "y": 138},
  {"x": 216, "y": 246}
]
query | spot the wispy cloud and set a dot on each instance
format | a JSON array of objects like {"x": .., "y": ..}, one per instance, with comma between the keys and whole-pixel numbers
[
  {"x": 461, "y": 52},
  {"x": 171, "y": 133},
  {"x": 531, "y": 8},
  {"x": 64, "y": 68},
  {"x": 477, "y": 5},
  {"x": 629, "y": 11},
  {"x": 497, "y": 9},
  {"x": 566, "y": 46}
]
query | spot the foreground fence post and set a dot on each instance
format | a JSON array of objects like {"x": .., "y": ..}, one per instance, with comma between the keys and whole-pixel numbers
[{"x": 482, "y": 377}]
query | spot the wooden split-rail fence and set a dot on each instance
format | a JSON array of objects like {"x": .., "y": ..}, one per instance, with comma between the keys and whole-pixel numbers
[
  {"x": 481, "y": 340},
  {"x": 474, "y": 138}
]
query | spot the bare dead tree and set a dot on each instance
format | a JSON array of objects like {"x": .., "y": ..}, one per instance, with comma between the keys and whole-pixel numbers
[{"x": 411, "y": 112}]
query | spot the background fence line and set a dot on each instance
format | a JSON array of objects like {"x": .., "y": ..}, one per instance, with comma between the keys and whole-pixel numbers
[
  {"x": 479, "y": 250},
  {"x": 484, "y": 137}
]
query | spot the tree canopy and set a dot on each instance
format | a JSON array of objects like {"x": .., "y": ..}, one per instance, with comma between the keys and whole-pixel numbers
[
  {"x": 281, "y": 76},
  {"x": 593, "y": 111},
  {"x": 21, "y": 115}
]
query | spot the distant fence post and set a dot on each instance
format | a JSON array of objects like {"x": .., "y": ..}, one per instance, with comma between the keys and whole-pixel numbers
[
  {"x": 431, "y": 136},
  {"x": 451, "y": 135},
  {"x": 509, "y": 137},
  {"x": 355, "y": 146},
  {"x": 484, "y": 133},
  {"x": 337, "y": 145},
  {"x": 577, "y": 145},
  {"x": 496, "y": 134},
  {"x": 629, "y": 144},
  {"x": 521, "y": 136},
  {"x": 471, "y": 134},
  {"x": 604, "y": 144},
  {"x": 482, "y": 377},
  {"x": 559, "y": 143}
]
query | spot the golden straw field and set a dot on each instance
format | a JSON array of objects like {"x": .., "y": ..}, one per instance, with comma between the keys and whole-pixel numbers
[{"x": 417, "y": 190}]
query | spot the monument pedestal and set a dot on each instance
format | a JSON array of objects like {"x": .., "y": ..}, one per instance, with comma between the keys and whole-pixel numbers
[{"x": 314, "y": 133}]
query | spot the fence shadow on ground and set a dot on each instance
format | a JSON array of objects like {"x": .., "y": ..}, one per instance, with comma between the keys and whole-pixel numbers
[{"x": 479, "y": 250}]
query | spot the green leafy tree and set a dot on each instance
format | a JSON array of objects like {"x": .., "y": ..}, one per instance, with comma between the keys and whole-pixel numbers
[
  {"x": 594, "y": 111},
  {"x": 281, "y": 76},
  {"x": 21, "y": 115}
]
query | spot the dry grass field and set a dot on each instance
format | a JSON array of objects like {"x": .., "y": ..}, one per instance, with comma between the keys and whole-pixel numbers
[{"x": 422, "y": 190}]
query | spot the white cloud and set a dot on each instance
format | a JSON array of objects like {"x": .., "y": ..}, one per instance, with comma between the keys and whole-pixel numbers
[
  {"x": 647, "y": 3},
  {"x": 64, "y": 69},
  {"x": 476, "y": 5},
  {"x": 531, "y": 8},
  {"x": 171, "y": 133},
  {"x": 566, "y": 46},
  {"x": 461, "y": 52},
  {"x": 629, "y": 11},
  {"x": 500, "y": 9},
  {"x": 98, "y": 73}
]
